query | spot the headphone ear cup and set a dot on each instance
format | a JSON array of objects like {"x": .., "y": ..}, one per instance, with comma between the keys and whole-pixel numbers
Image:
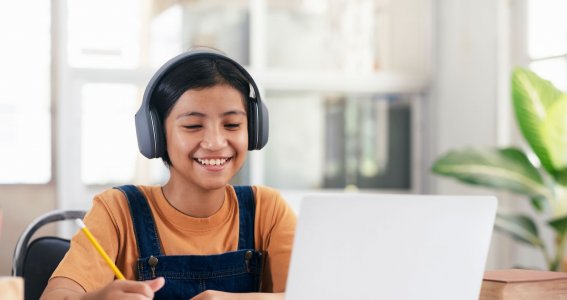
[
  {"x": 258, "y": 125},
  {"x": 156, "y": 131},
  {"x": 263, "y": 127},
  {"x": 252, "y": 121}
]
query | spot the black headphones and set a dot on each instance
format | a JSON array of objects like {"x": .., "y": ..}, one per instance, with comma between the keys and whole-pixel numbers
[{"x": 149, "y": 131}]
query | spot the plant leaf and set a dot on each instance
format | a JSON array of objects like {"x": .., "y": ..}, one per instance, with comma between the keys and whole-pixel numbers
[
  {"x": 538, "y": 203},
  {"x": 559, "y": 225},
  {"x": 520, "y": 227},
  {"x": 561, "y": 176},
  {"x": 507, "y": 169},
  {"x": 541, "y": 112}
]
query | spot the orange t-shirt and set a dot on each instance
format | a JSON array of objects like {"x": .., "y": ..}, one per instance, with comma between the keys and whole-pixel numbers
[{"x": 110, "y": 222}]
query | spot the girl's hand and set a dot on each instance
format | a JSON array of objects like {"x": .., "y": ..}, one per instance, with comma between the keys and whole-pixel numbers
[
  {"x": 214, "y": 295},
  {"x": 127, "y": 289}
]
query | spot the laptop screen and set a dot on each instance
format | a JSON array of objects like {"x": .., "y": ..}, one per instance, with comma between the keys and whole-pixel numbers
[{"x": 374, "y": 246}]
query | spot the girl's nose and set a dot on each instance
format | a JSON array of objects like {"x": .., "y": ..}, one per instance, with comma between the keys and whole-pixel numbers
[{"x": 213, "y": 139}]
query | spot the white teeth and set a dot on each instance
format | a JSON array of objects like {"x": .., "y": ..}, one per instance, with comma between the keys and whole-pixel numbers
[{"x": 212, "y": 162}]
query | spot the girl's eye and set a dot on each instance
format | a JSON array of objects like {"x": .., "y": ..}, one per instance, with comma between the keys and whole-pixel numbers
[
  {"x": 192, "y": 126},
  {"x": 232, "y": 125}
]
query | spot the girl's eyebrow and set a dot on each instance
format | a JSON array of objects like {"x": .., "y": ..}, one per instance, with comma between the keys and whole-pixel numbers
[
  {"x": 234, "y": 112},
  {"x": 200, "y": 114},
  {"x": 190, "y": 114}
]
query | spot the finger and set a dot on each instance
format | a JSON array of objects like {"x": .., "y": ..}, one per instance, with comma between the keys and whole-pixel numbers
[
  {"x": 156, "y": 284},
  {"x": 208, "y": 294}
]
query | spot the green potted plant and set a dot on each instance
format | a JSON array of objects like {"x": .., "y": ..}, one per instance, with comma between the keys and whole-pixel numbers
[{"x": 541, "y": 114}]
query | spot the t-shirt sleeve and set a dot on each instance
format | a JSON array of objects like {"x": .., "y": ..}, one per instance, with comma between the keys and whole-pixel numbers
[
  {"x": 82, "y": 263},
  {"x": 277, "y": 222}
]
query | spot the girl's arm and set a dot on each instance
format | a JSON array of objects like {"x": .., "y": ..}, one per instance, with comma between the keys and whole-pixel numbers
[{"x": 64, "y": 288}]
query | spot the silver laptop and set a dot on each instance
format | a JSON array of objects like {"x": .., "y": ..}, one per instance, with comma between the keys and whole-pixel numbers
[{"x": 390, "y": 247}]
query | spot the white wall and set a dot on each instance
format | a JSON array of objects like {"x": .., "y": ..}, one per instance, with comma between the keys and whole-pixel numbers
[
  {"x": 469, "y": 103},
  {"x": 463, "y": 104}
]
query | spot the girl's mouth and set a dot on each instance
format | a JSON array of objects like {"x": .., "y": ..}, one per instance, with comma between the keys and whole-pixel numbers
[{"x": 212, "y": 161}]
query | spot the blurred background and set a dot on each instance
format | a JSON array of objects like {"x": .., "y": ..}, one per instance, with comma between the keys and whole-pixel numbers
[{"x": 363, "y": 94}]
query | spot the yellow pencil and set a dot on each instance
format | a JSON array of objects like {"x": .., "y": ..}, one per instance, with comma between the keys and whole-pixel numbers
[{"x": 99, "y": 249}]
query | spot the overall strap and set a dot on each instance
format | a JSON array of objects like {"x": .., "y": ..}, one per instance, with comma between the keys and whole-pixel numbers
[
  {"x": 247, "y": 211},
  {"x": 144, "y": 225}
]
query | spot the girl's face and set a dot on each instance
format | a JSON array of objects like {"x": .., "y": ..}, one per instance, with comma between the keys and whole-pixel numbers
[{"x": 207, "y": 136}]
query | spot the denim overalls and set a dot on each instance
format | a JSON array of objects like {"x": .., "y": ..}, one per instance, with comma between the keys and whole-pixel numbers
[{"x": 188, "y": 275}]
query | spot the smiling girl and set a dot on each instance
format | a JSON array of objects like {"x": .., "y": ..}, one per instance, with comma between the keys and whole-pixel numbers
[{"x": 197, "y": 236}]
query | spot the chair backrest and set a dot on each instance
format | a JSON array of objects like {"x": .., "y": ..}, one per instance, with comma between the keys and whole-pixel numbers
[{"x": 36, "y": 261}]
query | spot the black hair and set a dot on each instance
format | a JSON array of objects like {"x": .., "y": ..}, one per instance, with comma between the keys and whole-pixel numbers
[{"x": 195, "y": 74}]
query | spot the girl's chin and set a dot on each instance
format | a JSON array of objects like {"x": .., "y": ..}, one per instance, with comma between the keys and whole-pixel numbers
[
  {"x": 213, "y": 184},
  {"x": 213, "y": 180}
]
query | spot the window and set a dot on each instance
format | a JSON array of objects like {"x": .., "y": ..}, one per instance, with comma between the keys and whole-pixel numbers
[
  {"x": 100, "y": 37},
  {"x": 25, "y": 120},
  {"x": 333, "y": 141},
  {"x": 547, "y": 40},
  {"x": 108, "y": 139}
]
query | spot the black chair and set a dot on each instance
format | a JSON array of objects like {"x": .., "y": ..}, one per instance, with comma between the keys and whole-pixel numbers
[{"x": 36, "y": 261}]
